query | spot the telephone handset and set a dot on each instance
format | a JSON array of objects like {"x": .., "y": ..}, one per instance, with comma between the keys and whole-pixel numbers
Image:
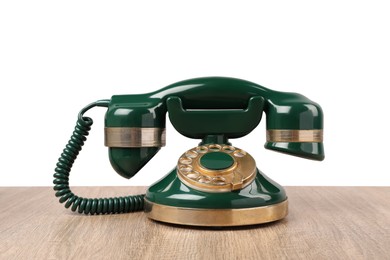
[{"x": 214, "y": 183}]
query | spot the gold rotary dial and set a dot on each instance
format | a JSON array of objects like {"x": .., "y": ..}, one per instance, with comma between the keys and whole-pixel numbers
[{"x": 234, "y": 170}]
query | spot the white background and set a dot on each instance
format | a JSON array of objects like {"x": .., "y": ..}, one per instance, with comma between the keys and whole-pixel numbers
[{"x": 58, "y": 56}]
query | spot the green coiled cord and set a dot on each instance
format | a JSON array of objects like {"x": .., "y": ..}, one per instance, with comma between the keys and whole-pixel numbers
[{"x": 65, "y": 162}]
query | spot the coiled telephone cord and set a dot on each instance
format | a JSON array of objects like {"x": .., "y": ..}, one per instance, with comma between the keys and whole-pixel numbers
[{"x": 65, "y": 162}]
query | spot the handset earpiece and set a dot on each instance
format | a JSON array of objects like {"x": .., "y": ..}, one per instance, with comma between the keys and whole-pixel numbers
[
  {"x": 134, "y": 132},
  {"x": 295, "y": 126}
]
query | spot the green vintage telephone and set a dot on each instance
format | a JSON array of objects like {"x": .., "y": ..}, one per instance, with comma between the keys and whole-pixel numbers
[{"x": 214, "y": 183}]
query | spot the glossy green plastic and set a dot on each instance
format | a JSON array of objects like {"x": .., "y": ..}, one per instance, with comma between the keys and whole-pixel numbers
[
  {"x": 128, "y": 161},
  {"x": 199, "y": 123},
  {"x": 216, "y": 161},
  {"x": 284, "y": 110},
  {"x": 214, "y": 106}
]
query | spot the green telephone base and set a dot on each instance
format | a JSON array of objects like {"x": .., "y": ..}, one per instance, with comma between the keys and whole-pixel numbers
[{"x": 171, "y": 201}]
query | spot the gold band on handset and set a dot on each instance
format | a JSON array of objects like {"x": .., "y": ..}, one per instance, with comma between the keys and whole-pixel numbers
[
  {"x": 291, "y": 136},
  {"x": 134, "y": 137}
]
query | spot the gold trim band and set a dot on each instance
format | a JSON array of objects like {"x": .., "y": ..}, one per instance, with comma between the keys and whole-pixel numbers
[
  {"x": 216, "y": 217},
  {"x": 134, "y": 137},
  {"x": 290, "y": 136}
]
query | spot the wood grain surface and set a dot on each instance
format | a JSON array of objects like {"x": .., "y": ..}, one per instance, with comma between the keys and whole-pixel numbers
[{"x": 323, "y": 223}]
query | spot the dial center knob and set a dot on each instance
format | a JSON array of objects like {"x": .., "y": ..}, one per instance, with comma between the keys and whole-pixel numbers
[{"x": 216, "y": 161}]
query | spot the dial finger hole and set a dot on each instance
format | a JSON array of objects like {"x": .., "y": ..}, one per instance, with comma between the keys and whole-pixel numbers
[
  {"x": 204, "y": 179},
  {"x": 219, "y": 180},
  {"x": 202, "y": 149},
  {"x": 185, "y": 168},
  {"x": 215, "y": 148},
  {"x": 228, "y": 149},
  {"x": 239, "y": 153},
  {"x": 185, "y": 160},
  {"x": 191, "y": 154},
  {"x": 193, "y": 175}
]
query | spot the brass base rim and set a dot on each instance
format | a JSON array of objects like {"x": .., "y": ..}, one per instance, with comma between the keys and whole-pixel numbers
[{"x": 216, "y": 217}]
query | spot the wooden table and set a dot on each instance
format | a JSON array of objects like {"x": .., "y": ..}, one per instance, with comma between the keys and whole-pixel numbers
[{"x": 323, "y": 223}]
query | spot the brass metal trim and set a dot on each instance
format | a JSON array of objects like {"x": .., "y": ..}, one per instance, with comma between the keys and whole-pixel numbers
[
  {"x": 239, "y": 175},
  {"x": 290, "y": 136},
  {"x": 216, "y": 217},
  {"x": 134, "y": 137}
]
